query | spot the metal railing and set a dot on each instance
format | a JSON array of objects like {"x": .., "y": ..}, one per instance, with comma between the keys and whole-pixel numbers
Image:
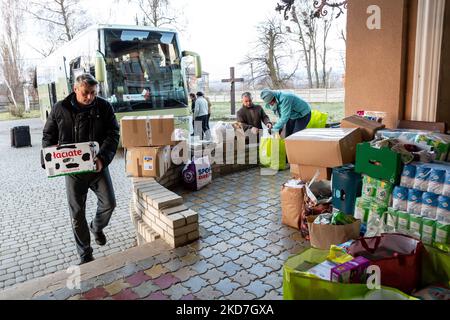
[{"x": 309, "y": 95}]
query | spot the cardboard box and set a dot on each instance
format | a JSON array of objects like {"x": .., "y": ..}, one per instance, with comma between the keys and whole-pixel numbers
[
  {"x": 323, "y": 270},
  {"x": 368, "y": 127},
  {"x": 147, "y": 131},
  {"x": 327, "y": 148},
  {"x": 323, "y": 236},
  {"x": 306, "y": 173},
  {"x": 148, "y": 161},
  {"x": 351, "y": 272},
  {"x": 68, "y": 159}
]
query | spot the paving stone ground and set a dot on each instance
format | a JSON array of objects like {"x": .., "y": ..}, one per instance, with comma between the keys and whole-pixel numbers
[
  {"x": 35, "y": 233},
  {"x": 239, "y": 255}
]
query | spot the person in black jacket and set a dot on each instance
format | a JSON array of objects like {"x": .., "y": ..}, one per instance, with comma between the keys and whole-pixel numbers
[
  {"x": 83, "y": 117},
  {"x": 252, "y": 116}
]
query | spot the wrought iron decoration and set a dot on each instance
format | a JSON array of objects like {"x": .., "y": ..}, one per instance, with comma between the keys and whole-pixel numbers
[
  {"x": 286, "y": 6},
  {"x": 322, "y": 10},
  {"x": 319, "y": 5}
]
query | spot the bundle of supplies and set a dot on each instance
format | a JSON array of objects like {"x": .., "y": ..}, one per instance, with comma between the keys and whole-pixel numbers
[
  {"x": 421, "y": 204},
  {"x": 436, "y": 142}
]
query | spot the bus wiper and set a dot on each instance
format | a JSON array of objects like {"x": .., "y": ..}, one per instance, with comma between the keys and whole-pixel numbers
[{"x": 180, "y": 102}]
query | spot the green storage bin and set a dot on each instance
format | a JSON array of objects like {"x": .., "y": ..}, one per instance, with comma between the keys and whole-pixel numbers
[{"x": 382, "y": 164}]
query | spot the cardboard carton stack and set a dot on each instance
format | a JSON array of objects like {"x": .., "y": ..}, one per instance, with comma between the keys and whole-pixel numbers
[
  {"x": 147, "y": 141},
  {"x": 321, "y": 149}
]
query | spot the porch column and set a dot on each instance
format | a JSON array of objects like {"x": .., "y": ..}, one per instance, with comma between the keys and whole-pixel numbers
[
  {"x": 376, "y": 57},
  {"x": 430, "y": 22}
]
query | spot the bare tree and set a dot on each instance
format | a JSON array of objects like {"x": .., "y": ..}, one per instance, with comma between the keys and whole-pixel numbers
[
  {"x": 327, "y": 24},
  {"x": 61, "y": 20},
  {"x": 267, "y": 58},
  {"x": 312, "y": 34},
  {"x": 157, "y": 13},
  {"x": 11, "y": 62},
  {"x": 343, "y": 36},
  {"x": 303, "y": 35}
]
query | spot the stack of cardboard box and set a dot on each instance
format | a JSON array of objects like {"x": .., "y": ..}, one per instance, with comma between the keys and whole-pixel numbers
[
  {"x": 313, "y": 150},
  {"x": 155, "y": 211},
  {"x": 147, "y": 141}
]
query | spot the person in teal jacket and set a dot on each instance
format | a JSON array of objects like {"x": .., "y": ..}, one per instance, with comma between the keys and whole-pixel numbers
[{"x": 292, "y": 111}]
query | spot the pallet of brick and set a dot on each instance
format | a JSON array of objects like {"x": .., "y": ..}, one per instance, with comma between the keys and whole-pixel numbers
[
  {"x": 180, "y": 225},
  {"x": 144, "y": 233},
  {"x": 164, "y": 212},
  {"x": 177, "y": 225},
  {"x": 156, "y": 196}
]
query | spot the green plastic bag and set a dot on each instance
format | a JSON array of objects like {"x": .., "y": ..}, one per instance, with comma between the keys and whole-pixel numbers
[
  {"x": 435, "y": 267},
  {"x": 272, "y": 153},
  {"x": 318, "y": 120},
  {"x": 299, "y": 285},
  {"x": 264, "y": 151}
]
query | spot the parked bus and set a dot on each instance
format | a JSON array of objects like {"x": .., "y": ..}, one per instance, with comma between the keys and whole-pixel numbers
[{"x": 139, "y": 69}]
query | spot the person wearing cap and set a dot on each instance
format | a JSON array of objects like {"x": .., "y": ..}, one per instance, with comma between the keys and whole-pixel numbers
[{"x": 292, "y": 111}]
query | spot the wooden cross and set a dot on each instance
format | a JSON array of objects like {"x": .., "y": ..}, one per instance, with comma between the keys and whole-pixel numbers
[{"x": 233, "y": 80}]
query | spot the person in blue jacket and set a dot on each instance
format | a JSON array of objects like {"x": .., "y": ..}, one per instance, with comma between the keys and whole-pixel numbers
[{"x": 292, "y": 111}]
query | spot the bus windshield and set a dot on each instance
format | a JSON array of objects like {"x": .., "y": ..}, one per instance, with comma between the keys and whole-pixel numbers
[{"x": 143, "y": 70}]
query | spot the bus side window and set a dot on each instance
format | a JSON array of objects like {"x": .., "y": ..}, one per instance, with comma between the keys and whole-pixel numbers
[
  {"x": 74, "y": 65},
  {"x": 52, "y": 94}
]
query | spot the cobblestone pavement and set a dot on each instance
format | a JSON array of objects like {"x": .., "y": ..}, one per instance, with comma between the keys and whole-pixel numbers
[
  {"x": 35, "y": 231},
  {"x": 239, "y": 255}
]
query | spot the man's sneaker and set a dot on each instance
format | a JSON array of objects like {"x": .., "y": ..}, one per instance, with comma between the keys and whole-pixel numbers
[
  {"x": 87, "y": 258},
  {"x": 100, "y": 237}
]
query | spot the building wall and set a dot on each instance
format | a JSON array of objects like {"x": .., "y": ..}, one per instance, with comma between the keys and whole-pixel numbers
[
  {"x": 443, "y": 107},
  {"x": 376, "y": 59}
]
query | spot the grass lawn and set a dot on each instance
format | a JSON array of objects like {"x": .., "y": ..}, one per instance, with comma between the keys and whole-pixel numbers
[
  {"x": 221, "y": 111},
  {"x": 32, "y": 114}
]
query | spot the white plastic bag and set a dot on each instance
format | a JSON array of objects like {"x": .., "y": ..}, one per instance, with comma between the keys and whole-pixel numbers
[{"x": 197, "y": 173}]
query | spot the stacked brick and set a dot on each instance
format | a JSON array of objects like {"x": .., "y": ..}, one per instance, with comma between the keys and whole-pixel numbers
[
  {"x": 144, "y": 233},
  {"x": 163, "y": 211},
  {"x": 172, "y": 177}
]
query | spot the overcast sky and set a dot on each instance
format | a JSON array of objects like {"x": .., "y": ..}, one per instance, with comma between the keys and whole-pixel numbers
[{"x": 221, "y": 31}]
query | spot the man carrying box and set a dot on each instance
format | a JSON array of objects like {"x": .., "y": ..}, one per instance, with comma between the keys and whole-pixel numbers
[{"x": 83, "y": 117}]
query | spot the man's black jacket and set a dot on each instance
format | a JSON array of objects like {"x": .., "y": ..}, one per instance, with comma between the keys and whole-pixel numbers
[{"x": 65, "y": 125}]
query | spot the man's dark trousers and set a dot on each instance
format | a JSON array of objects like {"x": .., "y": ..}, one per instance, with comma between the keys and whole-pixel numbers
[{"x": 77, "y": 187}]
